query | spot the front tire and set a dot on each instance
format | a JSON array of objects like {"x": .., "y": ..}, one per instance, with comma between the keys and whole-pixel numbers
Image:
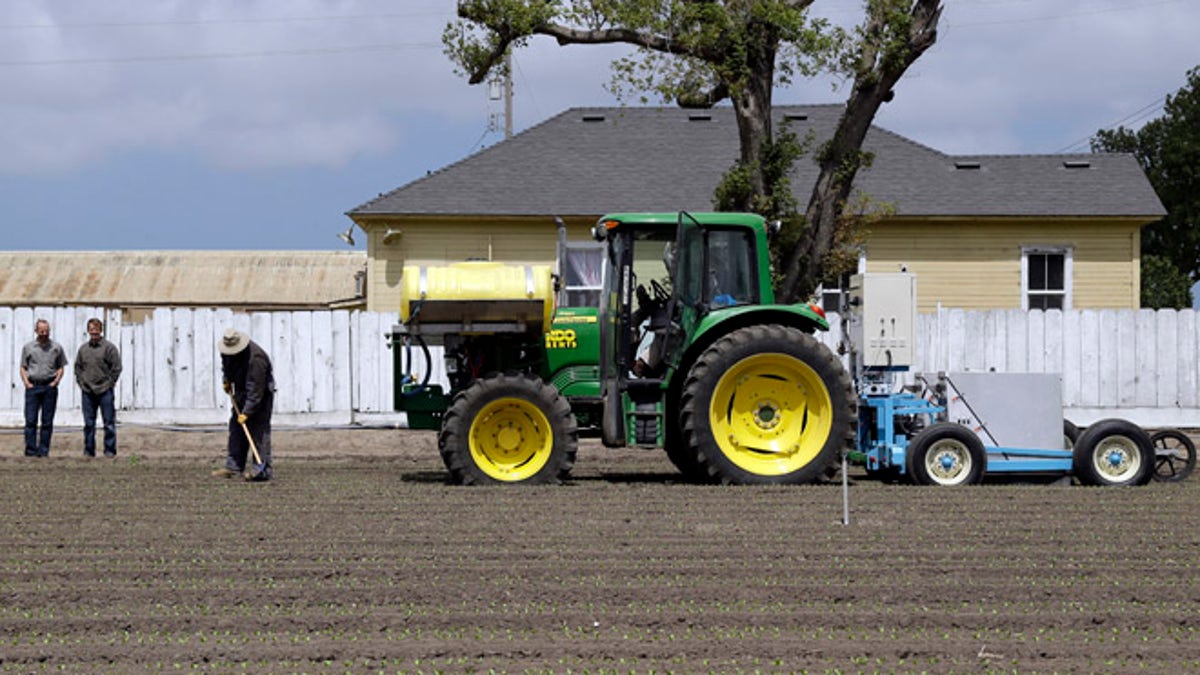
[
  {"x": 1114, "y": 452},
  {"x": 767, "y": 404},
  {"x": 509, "y": 428},
  {"x": 946, "y": 454}
]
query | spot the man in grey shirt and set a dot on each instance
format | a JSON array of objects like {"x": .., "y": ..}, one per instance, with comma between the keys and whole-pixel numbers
[
  {"x": 42, "y": 363},
  {"x": 97, "y": 367}
]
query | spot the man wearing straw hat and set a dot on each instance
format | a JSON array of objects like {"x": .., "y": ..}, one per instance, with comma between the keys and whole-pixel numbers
[{"x": 250, "y": 383}]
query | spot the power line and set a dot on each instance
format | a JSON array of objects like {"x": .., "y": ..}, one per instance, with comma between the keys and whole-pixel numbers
[
  {"x": 1131, "y": 119},
  {"x": 165, "y": 58},
  {"x": 214, "y": 22},
  {"x": 1068, "y": 15}
]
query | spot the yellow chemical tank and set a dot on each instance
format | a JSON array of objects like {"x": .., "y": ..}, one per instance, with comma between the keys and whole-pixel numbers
[{"x": 477, "y": 297}]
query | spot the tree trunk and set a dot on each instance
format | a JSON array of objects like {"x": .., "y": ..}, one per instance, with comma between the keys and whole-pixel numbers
[
  {"x": 751, "y": 99},
  {"x": 842, "y": 158},
  {"x": 839, "y": 163}
]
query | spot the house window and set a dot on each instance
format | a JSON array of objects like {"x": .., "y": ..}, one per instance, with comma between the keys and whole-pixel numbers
[
  {"x": 1046, "y": 277},
  {"x": 582, "y": 270}
]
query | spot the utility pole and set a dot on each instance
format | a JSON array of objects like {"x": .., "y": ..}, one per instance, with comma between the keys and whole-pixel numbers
[
  {"x": 508, "y": 93},
  {"x": 498, "y": 88}
]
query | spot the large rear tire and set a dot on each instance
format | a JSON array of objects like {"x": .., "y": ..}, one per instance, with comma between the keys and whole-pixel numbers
[
  {"x": 767, "y": 405},
  {"x": 1114, "y": 452},
  {"x": 946, "y": 454},
  {"x": 509, "y": 428}
]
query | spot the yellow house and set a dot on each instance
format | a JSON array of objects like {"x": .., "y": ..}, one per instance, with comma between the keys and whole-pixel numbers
[{"x": 979, "y": 232}]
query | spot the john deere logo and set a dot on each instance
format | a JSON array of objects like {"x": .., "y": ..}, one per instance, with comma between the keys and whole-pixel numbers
[{"x": 561, "y": 339}]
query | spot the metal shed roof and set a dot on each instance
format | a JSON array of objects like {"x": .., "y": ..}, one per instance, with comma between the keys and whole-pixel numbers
[{"x": 250, "y": 279}]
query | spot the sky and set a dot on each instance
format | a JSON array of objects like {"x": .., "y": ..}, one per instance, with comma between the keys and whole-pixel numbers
[{"x": 256, "y": 124}]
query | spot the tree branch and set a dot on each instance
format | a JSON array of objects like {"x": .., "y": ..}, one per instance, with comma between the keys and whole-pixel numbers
[{"x": 659, "y": 43}]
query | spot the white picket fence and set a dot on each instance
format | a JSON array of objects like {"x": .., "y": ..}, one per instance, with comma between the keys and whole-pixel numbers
[
  {"x": 335, "y": 367},
  {"x": 331, "y": 367}
]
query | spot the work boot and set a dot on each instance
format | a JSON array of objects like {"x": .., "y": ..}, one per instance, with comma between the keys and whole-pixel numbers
[{"x": 224, "y": 473}]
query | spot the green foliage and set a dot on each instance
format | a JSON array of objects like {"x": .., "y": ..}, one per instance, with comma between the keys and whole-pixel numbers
[
  {"x": 697, "y": 53},
  {"x": 684, "y": 47},
  {"x": 778, "y": 156},
  {"x": 1168, "y": 149},
  {"x": 1164, "y": 286}
]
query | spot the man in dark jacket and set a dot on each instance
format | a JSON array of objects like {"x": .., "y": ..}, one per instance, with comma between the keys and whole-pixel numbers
[
  {"x": 249, "y": 378},
  {"x": 97, "y": 367}
]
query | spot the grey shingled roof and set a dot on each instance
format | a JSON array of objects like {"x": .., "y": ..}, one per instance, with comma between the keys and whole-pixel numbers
[{"x": 595, "y": 160}]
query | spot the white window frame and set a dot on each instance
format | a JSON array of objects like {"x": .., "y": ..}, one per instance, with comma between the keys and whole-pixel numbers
[{"x": 1068, "y": 254}]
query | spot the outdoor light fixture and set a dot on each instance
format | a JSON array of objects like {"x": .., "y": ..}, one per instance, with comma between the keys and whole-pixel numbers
[{"x": 348, "y": 235}]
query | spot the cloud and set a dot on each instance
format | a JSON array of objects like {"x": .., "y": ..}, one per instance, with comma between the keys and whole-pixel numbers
[
  {"x": 243, "y": 84},
  {"x": 318, "y": 83}
]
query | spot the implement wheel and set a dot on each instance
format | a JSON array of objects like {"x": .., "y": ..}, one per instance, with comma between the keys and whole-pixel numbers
[
  {"x": 1114, "y": 452},
  {"x": 1174, "y": 455},
  {"x": 1070, "y": 434},
  {"x": 946, "y": 454},
  {"x": 767, "y": 405},
  {"x": 509, "y": 428}
]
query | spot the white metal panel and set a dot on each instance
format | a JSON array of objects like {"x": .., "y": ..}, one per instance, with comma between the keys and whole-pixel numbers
[{"x": 1016, "y": 410}]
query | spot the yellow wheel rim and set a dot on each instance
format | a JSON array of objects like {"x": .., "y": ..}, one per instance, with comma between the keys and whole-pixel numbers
[
  {"x": 771, "y": 414},
  {"x": 511, "y": 439}
]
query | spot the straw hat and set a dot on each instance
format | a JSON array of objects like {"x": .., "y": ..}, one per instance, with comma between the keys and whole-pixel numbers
[{"x": 233, "y": 342}]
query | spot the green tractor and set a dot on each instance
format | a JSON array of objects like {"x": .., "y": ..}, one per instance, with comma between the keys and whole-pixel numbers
[{"x": 694, "y": 357}]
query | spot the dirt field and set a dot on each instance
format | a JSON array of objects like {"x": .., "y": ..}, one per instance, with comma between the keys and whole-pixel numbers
[{"x": 359, "y": 558}]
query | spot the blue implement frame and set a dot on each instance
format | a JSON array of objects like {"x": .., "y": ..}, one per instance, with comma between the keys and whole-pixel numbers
[{"x": 883, "y": 444}]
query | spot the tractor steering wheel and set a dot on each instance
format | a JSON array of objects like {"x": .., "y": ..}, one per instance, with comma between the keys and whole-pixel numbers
[{"x": 661, "y": 296}]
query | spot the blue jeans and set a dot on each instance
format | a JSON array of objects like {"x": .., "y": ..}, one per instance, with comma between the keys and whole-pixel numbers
[
  {"x": 107, "y": 410},
  {"x": 39, "y": 399}
]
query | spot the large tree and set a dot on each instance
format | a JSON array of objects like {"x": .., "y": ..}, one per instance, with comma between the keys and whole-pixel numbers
[
  {"x": 1168, "y": 148},
  {"x": 701, "y": 52}
]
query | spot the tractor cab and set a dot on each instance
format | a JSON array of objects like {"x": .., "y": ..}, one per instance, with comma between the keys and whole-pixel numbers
[{"x": 667, "y": 274}]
